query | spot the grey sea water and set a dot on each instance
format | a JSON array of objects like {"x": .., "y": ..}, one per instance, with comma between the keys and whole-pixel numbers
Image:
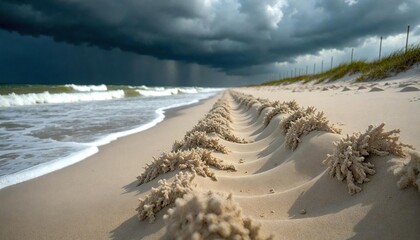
[{"x": 41, "y": 132}]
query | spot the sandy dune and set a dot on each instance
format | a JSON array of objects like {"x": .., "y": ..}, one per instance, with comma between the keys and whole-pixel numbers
[{"x": 291, "y": 194}]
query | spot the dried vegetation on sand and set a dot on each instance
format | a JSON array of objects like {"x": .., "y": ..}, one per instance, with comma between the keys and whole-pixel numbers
[
  {"x": 307, "y": 124},
  {"x": 410, "y": 172},
  {"x": 282, "y": 108},
  {"x": 196, "y": 160},
  {"x": 165, "y": 194},
  {"x": 209, "y": 216},
  {"x": 218, "y": 125},
  {"x": 199, "y": 140},
  {"x": 349, "y": 160}
]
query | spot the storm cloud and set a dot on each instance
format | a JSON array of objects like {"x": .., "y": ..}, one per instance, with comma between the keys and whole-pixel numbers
[{"x": 229, "y": 35}]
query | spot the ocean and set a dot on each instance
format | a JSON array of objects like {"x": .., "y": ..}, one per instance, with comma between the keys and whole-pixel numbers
[{"x": 46, "y": 128}]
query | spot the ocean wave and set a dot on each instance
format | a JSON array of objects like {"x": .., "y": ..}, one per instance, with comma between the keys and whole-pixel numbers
[
  {"x": 87, "y": 88},
  {"x": 19, "y": 95},
  {"x": 86, "y": 149},
  {"x": 46, "y": 97},
  {"x": 160, "y": 91},
  {"x": 144, "y": 87},
  {"x": 157, "y": 93}
]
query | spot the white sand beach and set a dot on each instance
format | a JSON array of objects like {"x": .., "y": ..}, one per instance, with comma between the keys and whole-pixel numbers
[{"x": 281, "y": 186}]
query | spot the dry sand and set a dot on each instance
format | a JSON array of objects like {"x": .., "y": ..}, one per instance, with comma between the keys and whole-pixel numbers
[{"x": 290, "y": 193}]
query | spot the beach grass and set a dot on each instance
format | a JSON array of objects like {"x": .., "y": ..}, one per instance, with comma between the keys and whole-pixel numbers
[{"x": 396, "y": 62}]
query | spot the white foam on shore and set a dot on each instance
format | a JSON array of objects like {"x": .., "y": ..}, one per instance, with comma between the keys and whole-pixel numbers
[
  {"x": 46, "y": 97},
  {"x": 160, "y": 91},
  {"x": 51, "y": 166},
  {"x": 87, "y": 88},
  {"x": 157, "y": 93},
  {"x": 44, "y": 168}
]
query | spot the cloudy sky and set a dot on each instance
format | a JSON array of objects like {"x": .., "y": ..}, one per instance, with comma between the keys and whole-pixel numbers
[{"x": 192, "y": 42}]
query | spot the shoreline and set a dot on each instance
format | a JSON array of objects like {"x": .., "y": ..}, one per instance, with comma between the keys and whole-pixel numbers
[
  {"x": 99, "y": 189},
  {"x": 92, "y": 148}
]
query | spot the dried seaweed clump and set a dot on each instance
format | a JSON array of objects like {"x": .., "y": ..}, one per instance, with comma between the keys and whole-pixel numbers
[
  {"x": 199, "y": 140},
  {"x": 282, "y": 108},
  {"x": 211, "y": 125},
  {"x": 348, "y": 160},
  {"x": 209, "y": 216},
  {"x": 409, "y": 173},
  {"x": 217, "y": 117},
  {"x": 247, "y": 100},
  {"x": 251, "y": 102},
  {"x": 222, "y": 108},
  {"x": 241, "y": 98},
  {"x": 297, "y": 114},
  {"x": 197, "y": 160},
  {"x": 222, "y": 102},
  {"x": 223, "y": 112},
  {"x": 307, "y": 124},
  {"x": 164, "y": 195},
  {"x": 265, "y": 104}
]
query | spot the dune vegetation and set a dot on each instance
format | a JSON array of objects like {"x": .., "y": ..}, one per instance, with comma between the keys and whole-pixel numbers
[
  {"x": 387, "y": 66},
  {"x": 210, "y": 216}
]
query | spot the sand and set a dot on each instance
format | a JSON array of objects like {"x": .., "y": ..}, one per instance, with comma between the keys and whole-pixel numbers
[{"x": 288, "y": 193}]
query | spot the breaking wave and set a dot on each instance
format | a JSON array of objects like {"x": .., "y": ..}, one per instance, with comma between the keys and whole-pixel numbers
[
  {"x": 41, "y": 98},
  {"x": 87, "y": 88},
  {"x": 21, "y": 95},
  {"x": 160, "y": 91}
]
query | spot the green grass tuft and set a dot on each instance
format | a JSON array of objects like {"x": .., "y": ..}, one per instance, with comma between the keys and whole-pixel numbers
[{"x": 396, "y": 62}]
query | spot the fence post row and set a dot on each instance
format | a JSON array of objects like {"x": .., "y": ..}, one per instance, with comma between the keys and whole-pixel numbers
[
  {"x": 406, "y": 40},
  {"x": 380, "y": 48},
  {"x": 281, "y": 75},
  {"x": 332, "y": 58}
]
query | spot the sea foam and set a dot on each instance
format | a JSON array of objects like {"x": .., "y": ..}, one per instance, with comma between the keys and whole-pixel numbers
[
  {"x": 46, "y": 97},
  {"x": 44, "y": 168},
  {"x": 159, "y": 91},
  {"x": 87, "y": 88}
]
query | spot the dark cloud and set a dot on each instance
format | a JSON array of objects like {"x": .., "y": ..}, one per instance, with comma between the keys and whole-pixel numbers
[
  {"x": 40, "y": 60},
  {"x": 228, "y": 35}
]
